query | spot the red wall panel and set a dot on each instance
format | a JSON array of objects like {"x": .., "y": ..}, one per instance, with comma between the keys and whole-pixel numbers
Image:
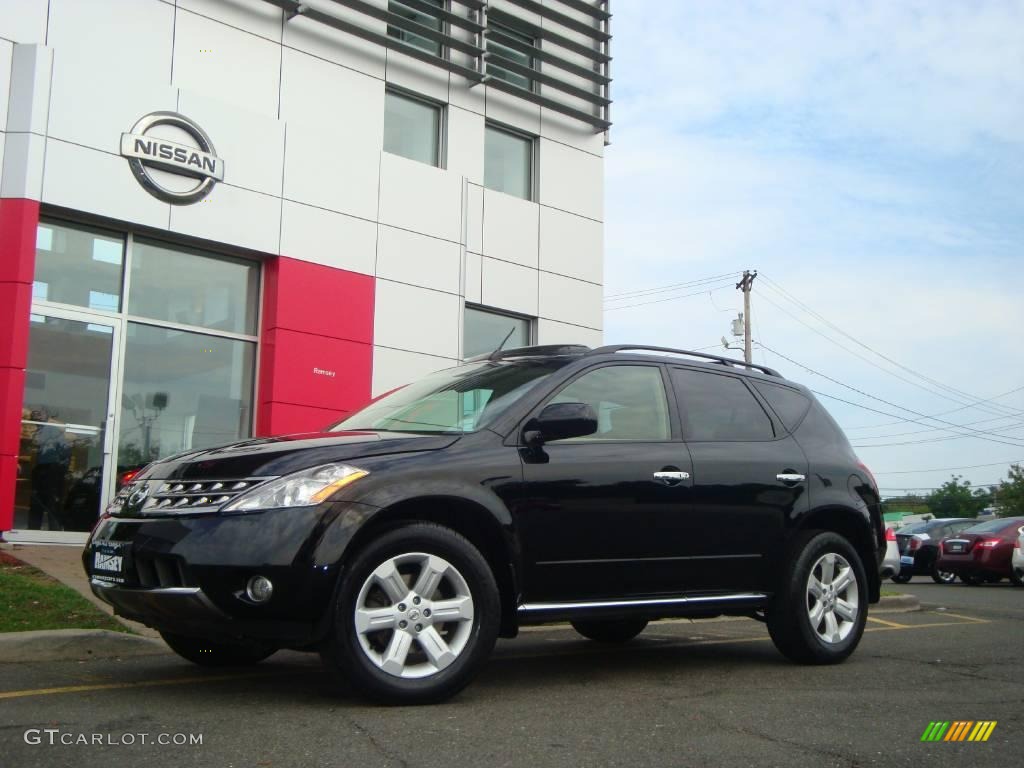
[{"x": 316, "y": 353}]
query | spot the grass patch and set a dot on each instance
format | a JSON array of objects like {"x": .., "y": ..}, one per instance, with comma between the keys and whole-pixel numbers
[
  {"x": 891, "y": 593},
  {"x": 31, "y": 600}
]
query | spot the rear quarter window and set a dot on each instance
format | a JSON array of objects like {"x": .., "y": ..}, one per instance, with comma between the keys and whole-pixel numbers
[{"x": 789, "y": 405}]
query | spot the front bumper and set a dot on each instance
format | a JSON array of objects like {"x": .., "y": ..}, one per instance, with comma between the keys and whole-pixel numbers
[{"x": 188, "y": 574}]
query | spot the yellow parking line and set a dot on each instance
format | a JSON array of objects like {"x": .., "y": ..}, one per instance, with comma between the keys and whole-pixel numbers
[
  {"x": 139, "y": 684},
  {"x": 892, "y": 624},
  {"x": 971, "y": 619}
]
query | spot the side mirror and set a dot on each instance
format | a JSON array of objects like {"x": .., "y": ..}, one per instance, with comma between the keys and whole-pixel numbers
[{"x": 559, "y": 421}]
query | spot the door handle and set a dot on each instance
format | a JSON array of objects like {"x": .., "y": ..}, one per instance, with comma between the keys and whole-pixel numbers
[
  {"x": 790, "y": 477},
  {"x": 671, "y": 478}
]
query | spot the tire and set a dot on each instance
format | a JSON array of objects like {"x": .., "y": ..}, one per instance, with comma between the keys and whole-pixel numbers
[
  {"x": 217, "y": 654},
  {"x": 941, "y": 577},
  {"x": 1017, "y": 577},
  {"x": 972, "y": 579},
  {"x": 387, "y": 640},
  {"x": 902, "y": 578},
  {"x": 826, "y": 559},
  {"x": 610, "y": 631}
]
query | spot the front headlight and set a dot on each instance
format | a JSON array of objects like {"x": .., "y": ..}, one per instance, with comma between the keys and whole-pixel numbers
[{"x": 302, "y": 489}]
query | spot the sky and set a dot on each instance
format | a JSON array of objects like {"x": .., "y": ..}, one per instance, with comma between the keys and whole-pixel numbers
[{"x": 867, "y": 158}]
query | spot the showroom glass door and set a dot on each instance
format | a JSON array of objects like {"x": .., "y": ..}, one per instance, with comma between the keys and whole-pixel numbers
[{"x": 65, "y": 475}]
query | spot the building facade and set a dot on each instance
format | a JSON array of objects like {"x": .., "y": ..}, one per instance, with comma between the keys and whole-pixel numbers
[{"x": 225, "y": 218}]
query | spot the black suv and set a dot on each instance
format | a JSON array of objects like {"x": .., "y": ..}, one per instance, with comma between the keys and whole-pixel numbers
[{"x": 607, "y": 488}]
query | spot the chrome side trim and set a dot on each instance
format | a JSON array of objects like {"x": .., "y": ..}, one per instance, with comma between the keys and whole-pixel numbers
[
  {"x": 100, "y": 584},
  {"x": 711, "y": 599},
  {"x": 672, "y": 559}
]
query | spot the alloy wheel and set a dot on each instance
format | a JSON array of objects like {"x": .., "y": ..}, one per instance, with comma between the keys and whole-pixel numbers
[
  {"x": 833, "y": 599},
  {"x": 414, "y": 615}
]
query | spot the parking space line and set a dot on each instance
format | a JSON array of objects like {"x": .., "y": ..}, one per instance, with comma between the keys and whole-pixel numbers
[
  {"x": 888, "y": 623},
  {"x": 137, "y": 684}
]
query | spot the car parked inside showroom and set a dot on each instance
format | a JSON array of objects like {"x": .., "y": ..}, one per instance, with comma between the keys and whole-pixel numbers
[
  {"x": 919, "y": 548},
  {"x": 607, "y": 487},
  {"x": 984, "y": 552}
]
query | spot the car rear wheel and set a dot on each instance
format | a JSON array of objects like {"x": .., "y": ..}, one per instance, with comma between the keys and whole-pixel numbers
[
  {"x": 940, "y": 576},
  {"x": 902, "y": 578},
  {"x": 610, "y": 631},
  {"x": 1017, "y": 577},
  {"x": 217, "y": 654},
  {"x": 416, "y": 617},
  {"x": 819, "y": 612}
]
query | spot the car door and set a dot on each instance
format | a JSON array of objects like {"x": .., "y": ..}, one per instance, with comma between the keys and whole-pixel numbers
[
  {"x": 749, "y": 476},
  {"x": 599, "y": 515}
]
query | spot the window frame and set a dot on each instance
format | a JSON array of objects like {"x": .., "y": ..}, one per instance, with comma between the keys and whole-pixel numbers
[
  {"x": 534, "y": 164},
  {"x": 533, "y": 63},
  {"x": 403, "y": 35},
  {"x": 675, "y": 428},
  {"x": 442, "y": 124},
  {"x": 778, "y": 428},
  {"x": 531, "y": 324}
]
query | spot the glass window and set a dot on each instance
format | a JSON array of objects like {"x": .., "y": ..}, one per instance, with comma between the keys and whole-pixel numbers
[
  {"x": 629, "y": 401},
  {"x": 484, "y": 331},
  {"x": 718, "y": 407},
  {"x": 461, "y": 399},
  {"x": 191, "y": 289},
  {"x": 182, "y": 390},
  {"x": 77, "y": 265},
  {"x": 431, "y": 46},
  {"x": 498, "y": 44},
  {"x": 788, "y": 404},
  {"x": 412, "y": 128},
  {"x": 508, "y": 162}
]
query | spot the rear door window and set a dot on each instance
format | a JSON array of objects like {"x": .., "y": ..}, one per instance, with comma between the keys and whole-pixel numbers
[{"x": 717, "y": 407}]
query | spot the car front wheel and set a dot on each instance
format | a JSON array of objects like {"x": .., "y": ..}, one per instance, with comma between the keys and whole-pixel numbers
[
  {"x": 819, "y": 612},
  {"x": 610, "y": 631},
  {"x": 416, "y": 617},
  {"x": 217, "y": 654}
]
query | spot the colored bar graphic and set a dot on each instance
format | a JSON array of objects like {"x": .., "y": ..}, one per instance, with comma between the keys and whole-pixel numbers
[
  {"x": 959, "y": 730},
  {"x": 935, "y": 730}
]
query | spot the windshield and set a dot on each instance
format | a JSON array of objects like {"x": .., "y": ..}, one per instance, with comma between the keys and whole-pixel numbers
[{"x": 456, "y": 400}]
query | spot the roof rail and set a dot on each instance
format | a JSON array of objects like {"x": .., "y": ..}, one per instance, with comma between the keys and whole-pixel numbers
[
  {"x": 544, "y": 350},
  {"x": 714, "y": 358}
]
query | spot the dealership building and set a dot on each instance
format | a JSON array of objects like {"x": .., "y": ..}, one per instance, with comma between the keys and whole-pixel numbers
[{"x": 227, "y": 218}]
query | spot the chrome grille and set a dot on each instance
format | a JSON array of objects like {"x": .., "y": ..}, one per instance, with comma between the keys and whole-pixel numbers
[{"x": 188, "y": 495}]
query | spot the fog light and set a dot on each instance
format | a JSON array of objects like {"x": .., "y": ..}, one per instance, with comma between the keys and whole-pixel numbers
[{"x": 259, "y": 589}]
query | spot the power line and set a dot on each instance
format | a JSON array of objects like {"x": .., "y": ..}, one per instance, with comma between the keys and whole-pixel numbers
[
  {"x": 955, "y": 410},
  {"x": 663, "y": 288},
  {"x": 671, "y": 298},
  {"x": 980, "y": 434},
  {"x": 960, "y": 393},
  {"x": 1015, "y": 425},
  {"x": 949, "y": 469}
]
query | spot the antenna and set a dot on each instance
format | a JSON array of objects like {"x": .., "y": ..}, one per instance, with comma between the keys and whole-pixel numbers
[{"x": 496, "y": 354}]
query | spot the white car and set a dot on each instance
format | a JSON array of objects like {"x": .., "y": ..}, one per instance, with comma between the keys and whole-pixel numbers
[
  {"x": 891, "y": 562},
  {"x": 1017, "y": 562}
]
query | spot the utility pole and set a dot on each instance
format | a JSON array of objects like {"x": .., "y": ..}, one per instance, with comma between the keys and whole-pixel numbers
[{"x": 746, "y": 285}]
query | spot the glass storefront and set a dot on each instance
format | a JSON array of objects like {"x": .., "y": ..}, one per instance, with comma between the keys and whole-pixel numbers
[{"x": 137, "y": 350}]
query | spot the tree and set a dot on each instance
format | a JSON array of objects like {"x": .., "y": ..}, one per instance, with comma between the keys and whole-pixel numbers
[
  {"x": 955, "y": 498},
  {"x": 1010, "y": 494}
]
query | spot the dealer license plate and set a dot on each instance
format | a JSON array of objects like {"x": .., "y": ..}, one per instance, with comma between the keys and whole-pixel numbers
[{"x": 108, "y": 560}]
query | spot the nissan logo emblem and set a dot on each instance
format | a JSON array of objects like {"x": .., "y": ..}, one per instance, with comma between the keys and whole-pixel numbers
[{"x": 146, "y": 151}]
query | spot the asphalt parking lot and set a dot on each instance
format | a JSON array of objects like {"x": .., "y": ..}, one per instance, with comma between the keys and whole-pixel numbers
[{"x": 684, "y": 694}]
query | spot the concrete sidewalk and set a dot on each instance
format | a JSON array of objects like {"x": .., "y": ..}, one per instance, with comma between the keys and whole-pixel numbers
[{"x": 64, "y": 563}]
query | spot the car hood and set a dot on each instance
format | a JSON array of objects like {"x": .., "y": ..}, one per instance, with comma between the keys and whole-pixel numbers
[{"x": 275, "y": 456}]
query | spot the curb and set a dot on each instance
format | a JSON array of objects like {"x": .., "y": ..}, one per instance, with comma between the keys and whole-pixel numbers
[
  {"x": 897, "y": 604},
  {"x": 74, "y": 645}
]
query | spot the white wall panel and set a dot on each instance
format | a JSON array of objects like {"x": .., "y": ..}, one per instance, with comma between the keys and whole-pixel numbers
[
  {"x": 571, "y": 180},
  {"x": 568, "y": 130},
  {"x": 234, "y": 216},
  {"x": 315, "y": 92},
  {"x": 571, "y": 245},
  {"x": 552, "y": 332},
  {"x": 23, "y": 165},
  {"x": 252, "y": 145},
  {"x": 29, "y": 96},
  {"x": 116, "y": 193},
  {"x": 23, "y": 21},
  {"x": 255, "y": 16},
  {"x": 394, "y": 368},
  {"x": 475, "y": 218},
  {"x": 472, "y": 277},
  {"x": 226, "y": 63},
  {"x": 328, "y": 238},
  {"x": 508, "y": 286},
  {"x": 510, "y": 228},
  {"x": 417, "y": 77},
  {"x": 512, "y": 111},
  {"x": 409, "y": 257},
  {"x": 416, "y": 319},
  {"x": 337, "y": 46},
  {"x": 420, "y": 197},
  {"x": 466, "y": 144},
  {"x": 570, "y": 301},
  {"x": 6, "y": 52}
]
